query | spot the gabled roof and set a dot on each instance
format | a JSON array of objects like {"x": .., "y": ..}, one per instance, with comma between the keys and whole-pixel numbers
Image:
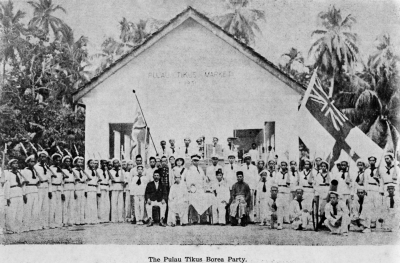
[{"x": 189, "y": 12}]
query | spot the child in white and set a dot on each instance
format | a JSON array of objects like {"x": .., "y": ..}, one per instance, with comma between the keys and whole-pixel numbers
[{"x": 222, "y": 194}]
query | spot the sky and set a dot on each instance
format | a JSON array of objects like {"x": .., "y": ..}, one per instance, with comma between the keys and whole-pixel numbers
[{"x": 288, "y": 23}]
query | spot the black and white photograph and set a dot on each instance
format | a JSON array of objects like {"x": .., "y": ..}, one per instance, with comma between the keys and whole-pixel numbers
[{"x": 200, "y": 124}]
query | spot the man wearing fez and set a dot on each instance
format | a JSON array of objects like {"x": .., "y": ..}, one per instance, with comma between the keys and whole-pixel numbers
[
  {"x": 361, "y": 211},
  {"x": 240, "y": 200},
  {"x": 337, "y": 215},
  {"x": 156, "y": 195}
]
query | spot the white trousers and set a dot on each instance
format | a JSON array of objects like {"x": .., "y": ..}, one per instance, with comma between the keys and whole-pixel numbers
[
  {"x": 117, "y": 206},
  {"x": 79, "y": 213},
  {"x": 305, "y": 220},
  {"x": 139, "y": 207},
  {"x": 284, "y": 201},
  {"x": 55, "y": 207},
  {"x": 14, "y": 215},
  {"x": 104, "y": 206},
  {"x": 128, "y": 211},
  {"x": 44, "y": 211},
  {"x": 343, "y": 228},
  {"x": 2, "y": 214},
  {"x": 218, "y": 212},
  {"x": 69, "y": 208},
  {"x": 91, "y": 208},
  {"x": 149, "y": 208},
  {"x": 30, "y": 219}
]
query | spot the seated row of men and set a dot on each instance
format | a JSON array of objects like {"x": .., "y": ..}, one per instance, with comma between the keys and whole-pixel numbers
[{"x": 42, "y": 196}]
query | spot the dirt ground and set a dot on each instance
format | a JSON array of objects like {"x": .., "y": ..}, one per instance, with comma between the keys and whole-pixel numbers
[{"x": 125, "y": 233}]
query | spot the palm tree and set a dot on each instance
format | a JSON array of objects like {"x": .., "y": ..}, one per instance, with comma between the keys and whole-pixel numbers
[
  {"x": 241, "y": 21},
  {"x": 11, "y": 30},
  {"x": 336, "y": 47},
  {"x": 43, "y": 17}
]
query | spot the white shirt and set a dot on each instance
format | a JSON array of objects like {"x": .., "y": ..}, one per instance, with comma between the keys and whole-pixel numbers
[
  {"x": 254, "y": 154},
  {"x": 136, "y": 189},
  {"x": 250, "y": 175}
]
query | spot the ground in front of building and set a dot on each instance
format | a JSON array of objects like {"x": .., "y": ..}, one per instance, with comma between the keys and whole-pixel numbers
[{"x": 124, "y": 233}]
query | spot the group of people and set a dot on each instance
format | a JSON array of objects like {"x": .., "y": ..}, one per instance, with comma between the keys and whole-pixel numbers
[{"x": 57, "y": 190}]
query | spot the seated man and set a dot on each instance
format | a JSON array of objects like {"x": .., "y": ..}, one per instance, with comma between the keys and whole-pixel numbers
[
  {"x": 390, "y": 216},
  {"x": 178, "y": 204},
  {"x": 222, "y": 195},
  {"x": 275, "y": 210},
  {"x": 300, "y": 214},
  {"x": 361, "y": 210},
  {"x": 337, "y": 215},
  {"x": 155, "y": 195},
  {"x": 240, "y": 200}
]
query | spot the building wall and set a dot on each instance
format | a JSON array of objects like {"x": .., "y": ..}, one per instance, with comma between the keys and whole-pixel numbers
[{"x": 192, "y": 83}]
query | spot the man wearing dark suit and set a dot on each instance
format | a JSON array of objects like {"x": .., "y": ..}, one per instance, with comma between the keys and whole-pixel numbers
[{"x": 156, "y": 195}]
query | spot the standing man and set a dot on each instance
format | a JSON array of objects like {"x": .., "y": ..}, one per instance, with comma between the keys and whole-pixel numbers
[
  {"x": 230, "y": 148},
  {"x": 322, "y": 183},
  {"x": 200, "y": 147},
  {"x": 91, "y": 213},
  {"x": 254, "y": 154},
  {"x": 138, "y": 188},
  {"x": 294, "y": 178},
  {"x": 263, "y": 194},
  {"x": 68, "y": 196},
  {"x": 31, "y": 207},
  {"x": 251, "y": 177},
  {"x": 360, "y": 173},
  {"x": 117, "y": 189},
  {"x": 306, "y": 182},
  {"x": 156, "y": 195},
  {"x": 164, "y": 151},
  {"x": 391, "y": 213},
  {"x": 230, "y": 170},
  {"x": 150, "y": 171},
  {"x": 55, "y": 192},
  {"x": 15, "y": 197},
  {"x": 239, "y": 201},
  {"x": 211, "y": 170},
  {"x": 317, "y": 163},
  {"x": 171, "y": 162},
  {"x": 186, "y": 149},
  {"x": 222, "y": 194},
  {"x": 389, "y": 173},
  {"x": 345, "y": 182},
  {"x": 172, "y": 148},
  {"x": 337, "y": 215},
  {"x": 373, "y": 188},
  {"x": 43, "y": 189},
  {"x": 103, "y": 196},
  {"x": 80, "y": 190},
  {"x": 285, "y": 197}
]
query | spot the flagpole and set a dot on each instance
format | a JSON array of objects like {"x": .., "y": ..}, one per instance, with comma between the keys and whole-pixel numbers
[{"x": 151, "y": 137}]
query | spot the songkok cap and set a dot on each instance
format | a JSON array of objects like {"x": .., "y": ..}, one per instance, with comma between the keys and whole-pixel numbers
[
  {"x": 372, "y": 157},
  {"x": 77, "y": 158},
  {"x": 195, "y": 157},
  {"x": 214, "y": 156},
  {"x": 66, "y": 157},
  {"x": 246, "y": 155},
  {"x": 29, "y": 158},
  {"x": 43, "y": 152},
  {"x": 115, "y": 159},
  {"x": 179, "y": 158},
  {"x": 239, "y": 173},
  {"x": 219, "y": 171},
  {"x": 389, "y": 154},
  {"x": 12, "y": 161},
  {"x": 55, "y": 155}
]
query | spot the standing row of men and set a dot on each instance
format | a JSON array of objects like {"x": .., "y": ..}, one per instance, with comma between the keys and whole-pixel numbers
[{"x": 63, "y": 194}]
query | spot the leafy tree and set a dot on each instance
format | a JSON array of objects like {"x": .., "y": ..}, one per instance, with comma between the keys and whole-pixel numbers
[
  {"x": 335, "y": 49},
  {"x": 295, "y": 67},
  {"x": 241, "y": 20},
  {"x": 43, "y": 17}
]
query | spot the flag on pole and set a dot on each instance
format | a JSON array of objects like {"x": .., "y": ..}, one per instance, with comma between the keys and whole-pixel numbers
[
  {"x": 323, "y": 128},
  {"x": 138, "y": 125}
]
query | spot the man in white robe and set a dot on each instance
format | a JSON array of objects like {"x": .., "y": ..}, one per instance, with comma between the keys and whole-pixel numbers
[{"x": 178, "y": 203}]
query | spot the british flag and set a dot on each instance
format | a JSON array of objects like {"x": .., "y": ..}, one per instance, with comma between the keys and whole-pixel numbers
[{"x": 328, "y": 131}]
